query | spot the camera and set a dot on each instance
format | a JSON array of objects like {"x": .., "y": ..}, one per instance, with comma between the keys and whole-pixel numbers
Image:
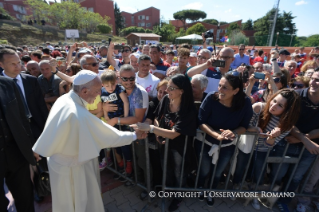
[{"x": 209, "y": 34}]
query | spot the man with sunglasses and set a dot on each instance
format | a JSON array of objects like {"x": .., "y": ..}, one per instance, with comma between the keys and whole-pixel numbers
[
  {"x": 116, "y": 63},
  {"x": 214, "y": 74},
  {"x": 240, "y": 57}
]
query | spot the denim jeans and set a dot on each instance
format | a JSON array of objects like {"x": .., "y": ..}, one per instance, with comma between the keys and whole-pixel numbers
[
  {"x": 174, "y": 169},
  {"x": 305, "y": 162},
  {"x": 207, "y": 166},
  {"x": 242, "y": 161}
]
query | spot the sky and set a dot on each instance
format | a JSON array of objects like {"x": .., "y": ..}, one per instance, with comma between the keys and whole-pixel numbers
[{"x": 306, "y": 11}]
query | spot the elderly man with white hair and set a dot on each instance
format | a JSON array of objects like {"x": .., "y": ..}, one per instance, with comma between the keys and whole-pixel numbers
[
  {"x": 72, "y": 139},
  {"x": 199, "y": 84}
]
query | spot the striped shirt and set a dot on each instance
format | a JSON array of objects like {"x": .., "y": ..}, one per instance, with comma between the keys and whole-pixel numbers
[{"x": 274, "y": 122}]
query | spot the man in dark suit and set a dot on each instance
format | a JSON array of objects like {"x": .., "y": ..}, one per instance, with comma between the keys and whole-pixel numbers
[
  {"x": 31, "y": 94},
  {"x": 16, "y": 142},
  {"x": 30, "y": 89}
]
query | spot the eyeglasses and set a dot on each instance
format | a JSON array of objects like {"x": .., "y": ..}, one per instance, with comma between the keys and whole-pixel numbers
[
  {"x": 125, "y": 79},
  {"x": 92, "y": 64},
  {"x": 225, "y": 57},
  {"x": 291, "y": 66},
  {"x": 276, "y": 80},
  {"x": 126, "y": 50},
  {"x": 297, "y": 85},
  {"x": 241, "y": 49},
  {"x": 170, "y": 88},
  {"x": 202, "y": 58}
]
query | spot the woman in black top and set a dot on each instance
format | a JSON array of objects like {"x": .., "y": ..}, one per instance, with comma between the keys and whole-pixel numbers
[
  {"x": 175, "y": 119},
  {"x": 228, "y": 111}
]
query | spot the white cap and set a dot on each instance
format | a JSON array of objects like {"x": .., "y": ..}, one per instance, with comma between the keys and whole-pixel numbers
[
  {"x": 84, "y": 77},
  {"x": 193, "y": 54},
  {"x": 135, "y": 55},
  {"x": 171, "y": 46}
]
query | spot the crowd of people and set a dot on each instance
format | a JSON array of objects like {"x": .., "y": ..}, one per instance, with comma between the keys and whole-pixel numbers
[{"x": 171, "y": 91}]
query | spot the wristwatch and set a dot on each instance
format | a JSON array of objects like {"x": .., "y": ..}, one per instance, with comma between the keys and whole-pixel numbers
[
  {"x": 235, "y": 133},
  {"x": 55, "y": 71},
  {"x": 118, "y": 121}
]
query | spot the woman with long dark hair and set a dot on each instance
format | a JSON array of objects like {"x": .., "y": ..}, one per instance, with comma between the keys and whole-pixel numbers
[
  {"x": 222, "y": 116},
  {"x": 175, "y": 119},
  {"x": 275, "y": 119}
]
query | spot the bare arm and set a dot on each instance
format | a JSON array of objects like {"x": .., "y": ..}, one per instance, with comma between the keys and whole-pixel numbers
[
  {"x": 249, "y": 88},
  {"x": 313, "y": 134},
  {"x": 70, "y": 52},
  {"x": 171, "y": 134},
  {"x": 125, "y": 103},
  {"x": 311, "y": 146},
  {"x": 65, "y": 77},
  {"x": 139, "y": 116},
  {"x": 197, "y": 69},
  {"x": 110, "y": 58}
]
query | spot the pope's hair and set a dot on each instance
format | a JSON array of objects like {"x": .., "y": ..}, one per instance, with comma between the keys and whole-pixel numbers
[{"x": 77, "y": 88}]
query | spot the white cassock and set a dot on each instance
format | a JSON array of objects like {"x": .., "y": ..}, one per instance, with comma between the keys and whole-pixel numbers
[{"x": 72, "y": 139}]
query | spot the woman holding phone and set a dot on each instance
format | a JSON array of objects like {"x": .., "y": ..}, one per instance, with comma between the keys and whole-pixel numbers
[{"x": 275, "y": 119}]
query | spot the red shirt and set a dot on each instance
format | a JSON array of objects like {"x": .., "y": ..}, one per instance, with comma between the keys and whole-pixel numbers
[{"x": 258, "y": 59}]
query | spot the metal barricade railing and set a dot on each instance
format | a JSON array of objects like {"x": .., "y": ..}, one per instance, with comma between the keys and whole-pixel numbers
[
  {"x": 281, "y": 160},
  {"x": 147, "y": 185}
]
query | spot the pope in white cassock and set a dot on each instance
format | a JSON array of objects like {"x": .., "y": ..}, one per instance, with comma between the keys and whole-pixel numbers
[{"x": 72, "y": 139}]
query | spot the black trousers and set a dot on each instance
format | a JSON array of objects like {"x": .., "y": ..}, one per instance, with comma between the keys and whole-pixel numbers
[{"x": 15, "y": 169}]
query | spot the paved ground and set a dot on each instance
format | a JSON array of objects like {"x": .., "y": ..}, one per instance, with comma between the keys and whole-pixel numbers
[{"x": 120, "y": 198}]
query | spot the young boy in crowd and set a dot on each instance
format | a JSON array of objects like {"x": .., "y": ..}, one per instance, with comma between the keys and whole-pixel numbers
[{"x": 115, "y": 94}]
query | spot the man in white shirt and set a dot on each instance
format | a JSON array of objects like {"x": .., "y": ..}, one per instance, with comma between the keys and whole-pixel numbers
[{"x": 144, "y": 78}]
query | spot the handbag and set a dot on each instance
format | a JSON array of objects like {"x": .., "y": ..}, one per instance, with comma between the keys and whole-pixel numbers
[
  {"x": 246, "y": 141},
  {"x": 42, "y": 179}
]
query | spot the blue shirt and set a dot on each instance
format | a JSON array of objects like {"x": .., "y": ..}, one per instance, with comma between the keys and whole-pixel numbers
[
  {"x": 217, "y": 116},
  {"x": 135, "y": 100},
  {"x": 239, "y": 60}
]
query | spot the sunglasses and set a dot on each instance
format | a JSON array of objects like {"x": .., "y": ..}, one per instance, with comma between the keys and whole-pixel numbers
[
  {"x": 276, "y": 80},
  {"x": 297, "y": 85},
  {"x": 125, "y": 79},
  {"x": 241, "y": 49},
  {"x": 92, "y": 64},
  {"x": 170, "y": 88},
  {"x": 126, "y": 50}
]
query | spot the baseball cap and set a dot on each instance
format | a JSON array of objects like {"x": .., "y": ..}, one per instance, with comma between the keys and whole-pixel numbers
[
  {"x": 84, "y": 50},
  {"x": 193, "y": 54},
  {"x": 171, "y": 45},
  {"x": 210, "y": 48},
  {"x": 284, "y": 51}
]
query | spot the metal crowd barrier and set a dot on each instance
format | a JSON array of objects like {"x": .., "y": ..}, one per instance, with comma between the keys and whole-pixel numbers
[{"x": 280, "y": 160}]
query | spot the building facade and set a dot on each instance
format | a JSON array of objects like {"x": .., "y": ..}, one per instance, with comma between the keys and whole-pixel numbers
[
  {"x": 16, "y": 8},
  {"x": 146, "y": 18}
]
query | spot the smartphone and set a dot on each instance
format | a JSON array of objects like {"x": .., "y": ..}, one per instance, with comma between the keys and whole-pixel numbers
[
  {"x": 219, "y": 63},
  {"x": 118, "y": 47},
  {"x": 61, "y": 62},
  {"x": 258, "y": 75},
  {"x": 80, "y": 44},
  {"x": 110, "y": 39}
]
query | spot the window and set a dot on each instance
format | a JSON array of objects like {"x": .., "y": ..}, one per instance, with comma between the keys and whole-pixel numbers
[
  {"x": 91, "y": 9},
  {"x": 124, "y": 19},
  {"x": 84, "y": 8},
  {"x": 1, "y": 4},
  {"x": 141, "y": 17},
  {"x": 132, "y": 19},
  {"x": 148, "y": 25},
  {"x": 147, "y": 18},
  {"x": 225, "y": 30},
  {"x": 141, "y": 24}
]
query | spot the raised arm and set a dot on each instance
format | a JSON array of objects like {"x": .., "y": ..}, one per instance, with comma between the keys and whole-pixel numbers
[{"x": 110, "y": 58}]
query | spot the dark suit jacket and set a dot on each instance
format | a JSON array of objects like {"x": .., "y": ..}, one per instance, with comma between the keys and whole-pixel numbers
[
  {"x": 12, "y": 106},
  {"x": 35, "y": 101}
]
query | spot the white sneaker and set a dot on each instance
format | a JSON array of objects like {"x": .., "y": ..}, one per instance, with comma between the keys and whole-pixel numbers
[
  {"x": 301, "y": 207},
  {"x": 255, "y": 204}
]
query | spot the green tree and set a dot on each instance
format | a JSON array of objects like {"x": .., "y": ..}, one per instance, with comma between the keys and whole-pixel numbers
[
  {"x": 284, "y": 25},
  {"x": 5, "y": 14},
  {"x": 166, "y": 31},
  {"x": 312, "y": 40},
  {"x": 128, "y": 30},
  {"x": 119, "y": 20},
  {"x": 148, "y": 31},
  {"x": 91, "y": 20},
  {"x": 248, "y": 25},
  {"x": 211, "y": 21},
  {"x": 40, "y": 10},
  {"x": 104, "y": 28},
  {"x": 232, "y": 27},
  {"x": 67, "y": 14},
  {"x": 196, "y": 29},
  {"x": 223, "y": 22},
  {"x": 192, "y": 15}
]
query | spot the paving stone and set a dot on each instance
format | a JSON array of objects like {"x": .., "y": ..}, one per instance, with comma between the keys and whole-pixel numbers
[
  {"x": 184, "y": 208},
  {"x": 115, "y": 191},
  {"x": 126, "y": 207},
  {"x": 106, "y": 198},
  {"x": 223, "y": 207},
  {"x": 120, "y": 199},
  {"x": 133, "y": 198},
  {"x": 139, "y": 206},
  {"x": 127, "y": 190},
  {"x": 112, "y": 207},
  {"x": 228, "y": 201}
]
